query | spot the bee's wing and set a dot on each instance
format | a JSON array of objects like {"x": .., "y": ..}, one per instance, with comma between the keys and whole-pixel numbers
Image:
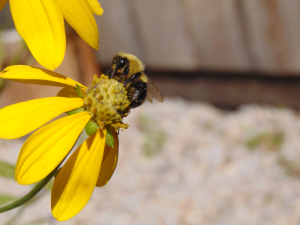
[
  {"x": 149, "y": 91},
  {"x": 153, "y": 91}
]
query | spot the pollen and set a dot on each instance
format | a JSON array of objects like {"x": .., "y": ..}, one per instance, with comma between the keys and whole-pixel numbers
[{"x": 106, "y": 100}]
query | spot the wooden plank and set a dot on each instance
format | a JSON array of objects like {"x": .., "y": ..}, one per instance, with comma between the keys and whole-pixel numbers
[
  {"x": 259, "y": 35},
  {"x": 229, "y": 90},
  {"x": 163, "y": 31},
  {"x": 201, "y": 37},
  {"x": 265, "y": 34},
  {"x": 208, "y": 28},
  {"x": 234, "y": 36},
  {"x": 218, "y": 34},
  {"x": 289, "y": 11},
  {"x": 116, "y": 31}
]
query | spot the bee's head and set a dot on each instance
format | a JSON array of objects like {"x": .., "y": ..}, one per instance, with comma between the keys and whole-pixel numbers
[
  {"x": 124, "y": 65},
  {"x": 118, "y": 68},
  {"x": 121, "y": 62}
]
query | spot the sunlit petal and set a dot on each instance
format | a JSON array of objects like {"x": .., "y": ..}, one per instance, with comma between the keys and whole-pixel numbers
[
  {"x": 41, "y": 25},
  {"x": 109, "y": 162},
  {"x": 95, "y": 7},
  {"x": 76, "y": 181},
  {"x": 47, "y": 147},
  {"x": 79, "y": 15},
  {"x": 20, "y": 119},
  {"x": 68, "y": 92},
  {"x": 2, "y": 4},
  {"x": 34, "y": 75}
]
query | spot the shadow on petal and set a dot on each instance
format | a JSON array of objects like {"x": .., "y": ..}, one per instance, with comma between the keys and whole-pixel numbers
[{"x": 109, "y": 162}]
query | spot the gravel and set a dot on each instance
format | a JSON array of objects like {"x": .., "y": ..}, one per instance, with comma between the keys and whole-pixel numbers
[{"x": 189, "y": 163}]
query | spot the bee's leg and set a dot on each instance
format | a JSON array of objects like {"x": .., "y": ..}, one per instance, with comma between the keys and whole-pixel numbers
[
  {"x": 132, "y": 78},
  {"x": 137, "y": 94}
]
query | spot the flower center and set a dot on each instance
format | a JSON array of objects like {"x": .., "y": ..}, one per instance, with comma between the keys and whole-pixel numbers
[{"x": 106, "y": 100}]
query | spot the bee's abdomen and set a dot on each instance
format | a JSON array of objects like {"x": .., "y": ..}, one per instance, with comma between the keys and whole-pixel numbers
[{"x": 137, "y": 93}]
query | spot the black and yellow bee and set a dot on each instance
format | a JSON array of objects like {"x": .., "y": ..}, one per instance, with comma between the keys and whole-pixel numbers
[{"x": 129, "y": 70}]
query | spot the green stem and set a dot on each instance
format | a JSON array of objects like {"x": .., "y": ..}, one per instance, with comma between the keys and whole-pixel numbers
[{"x": 31, "y": 194}]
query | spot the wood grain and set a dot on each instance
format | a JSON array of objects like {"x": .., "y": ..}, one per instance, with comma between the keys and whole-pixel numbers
[{"x": 231, "y": 35}]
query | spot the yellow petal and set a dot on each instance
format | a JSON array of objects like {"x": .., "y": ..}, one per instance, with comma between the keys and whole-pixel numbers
[
  {"x": 95, "y": 7},
  {"x": 79, "y": 15},
  {"x": 34, "y": 75},
  {"x": 2, "y": 4},
  {"x": 20, "y": 119},
  {"x": 76, "y": 181},
  {"x": 109, "y": 162},
  {"x": 47, "y": 147},
  {"x": 41, "y": 25},
  {"x": 68, "y": 92}
]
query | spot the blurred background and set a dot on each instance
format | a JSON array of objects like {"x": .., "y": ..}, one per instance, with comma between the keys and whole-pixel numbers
[{"x": 223, "y": 148}]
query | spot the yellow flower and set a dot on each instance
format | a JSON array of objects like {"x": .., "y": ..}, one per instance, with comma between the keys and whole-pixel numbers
[
  {"x": 92, "y": 164},
  {"x": 41, "y": 24}
]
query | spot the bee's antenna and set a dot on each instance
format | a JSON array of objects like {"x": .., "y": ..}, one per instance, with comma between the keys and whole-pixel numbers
[
  {"x": 108, "y": 71},
  {"x": 113, "y": 73}
]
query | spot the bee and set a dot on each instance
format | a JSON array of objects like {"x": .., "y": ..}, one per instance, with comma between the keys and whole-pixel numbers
[{"x": 129, "y": 70}]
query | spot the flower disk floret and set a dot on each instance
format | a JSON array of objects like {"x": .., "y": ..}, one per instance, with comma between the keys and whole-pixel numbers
[{"x": 106, "y": 100}]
